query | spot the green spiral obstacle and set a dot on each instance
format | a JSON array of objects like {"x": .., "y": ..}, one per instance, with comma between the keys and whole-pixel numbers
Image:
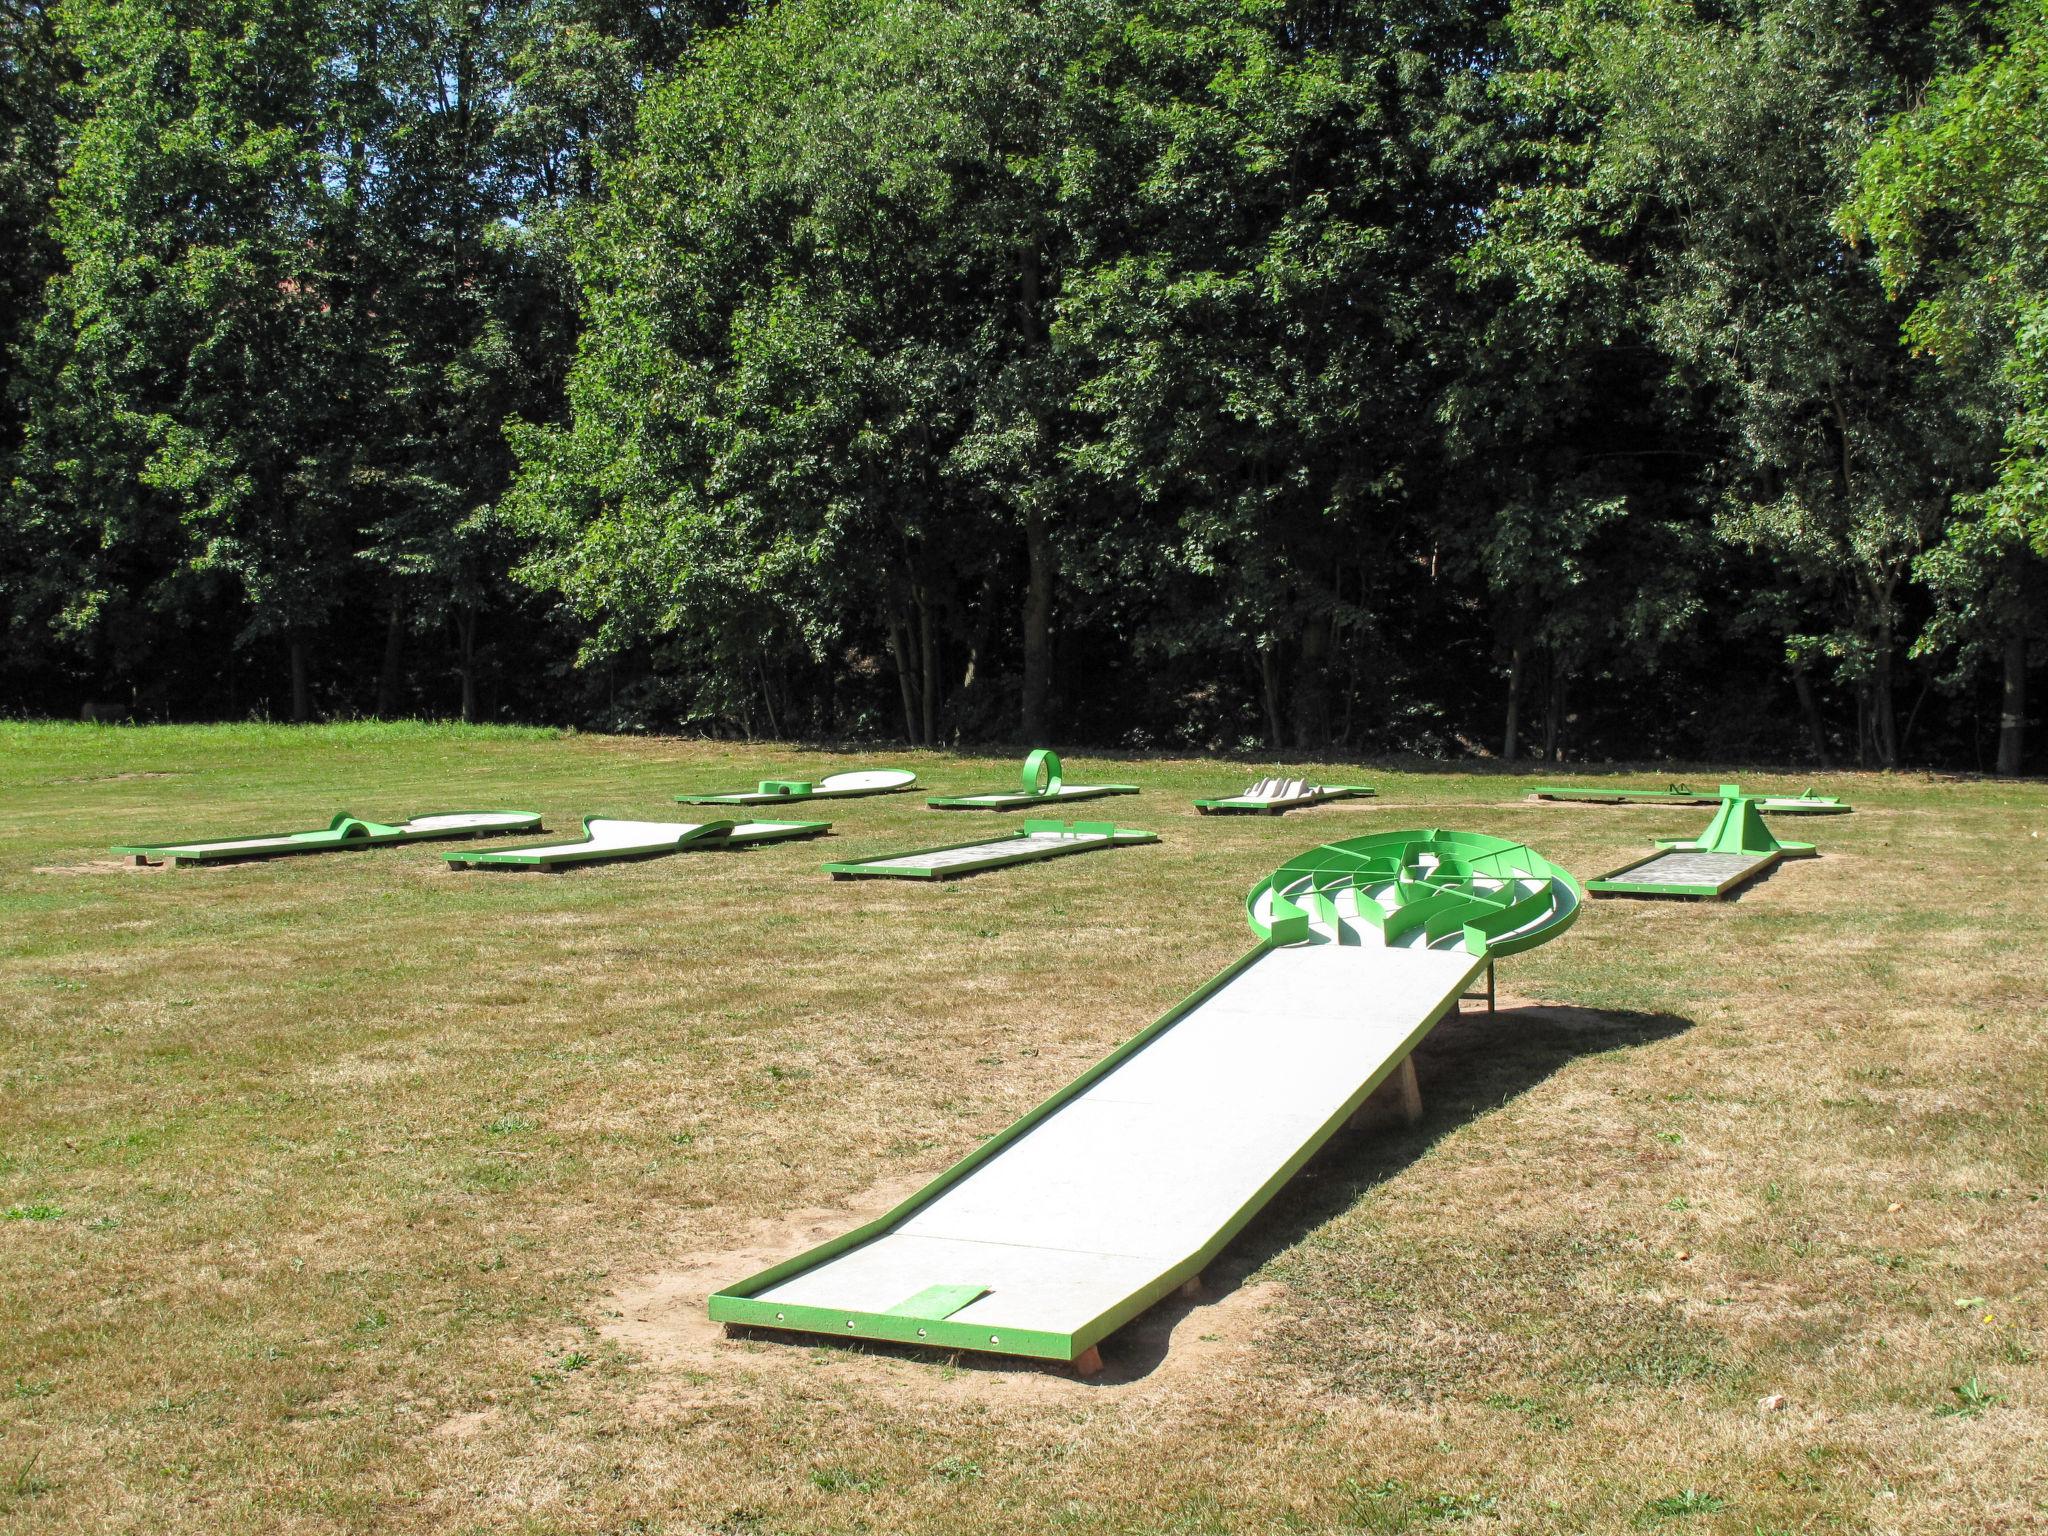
[
  {"x": 343, "y": 831},
  {"x": 1126, "y": 1183},
  {"x": 1736, "y": 848},
  {"x": 1042, "y": 783},
  {"x": 834, "y": 786}
]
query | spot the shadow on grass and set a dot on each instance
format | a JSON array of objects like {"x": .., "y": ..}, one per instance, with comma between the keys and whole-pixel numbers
[{"x": 1471, "y": 1063}]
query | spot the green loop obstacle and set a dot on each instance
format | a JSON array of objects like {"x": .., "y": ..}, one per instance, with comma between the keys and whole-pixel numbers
[{"x": 1042, "y": 772}]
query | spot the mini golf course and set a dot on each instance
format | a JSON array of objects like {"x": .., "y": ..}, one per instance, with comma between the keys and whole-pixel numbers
[
  {"x": 1273, "y": 797},
  {"x": 1035, "y": 841},
  {"x": 834, "y": 786},
  {"x": 1042, "y": 783},
  {"x": 1123, "y": 1185},
  {"x": 1736, "y": 848},
  {"x": 609, "y": 840},
  {"x": 344, "y": 831}
]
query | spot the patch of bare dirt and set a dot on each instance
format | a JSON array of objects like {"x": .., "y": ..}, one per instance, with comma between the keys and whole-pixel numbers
[
  {"x": 1197, "y": 1341},
  {"x": 100, "y": 867}
]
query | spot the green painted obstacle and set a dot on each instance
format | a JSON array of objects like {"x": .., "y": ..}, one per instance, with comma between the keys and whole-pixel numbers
[
  {"x": 836, "y": 786},
  {"x": 608, "y": 840},
  {"x": 1035, "y": 841},
  {"x": 1273, "y": 797},
  {"x": 1042, "y": 784},
  {"x": 1125, "y": 1184},
  {"x": 1805, "y": 803},
  {"x": 344, "y": 831},
  {"x": 1736, "y": 848}
]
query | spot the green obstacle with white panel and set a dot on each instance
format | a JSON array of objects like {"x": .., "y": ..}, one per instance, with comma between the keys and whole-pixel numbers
[
  {"x": 1737, "y": 848},
  {"x": 1276, "y": 796},
  {"x": 853, "y": 784},
  {"x": 1043, "y": 782},
  {"x": 614, "y": 840},
  {"x": 1128, "y": 1182}
]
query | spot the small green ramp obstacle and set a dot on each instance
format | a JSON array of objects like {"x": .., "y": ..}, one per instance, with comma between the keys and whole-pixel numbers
[
  {"x": 1805, "y": 803},
  {"x": 834, "y": 786},
  {"x": 1042, "y": 784},
  {"x": 1035, "y": 841},
  {"x": 1273, "y": 797},
  {"x": 1736, "y": 848},
  {"x": 1126, "y": 1183},
  {"x": 608, "y": 840},
  {"x": 344, "y": 831}
]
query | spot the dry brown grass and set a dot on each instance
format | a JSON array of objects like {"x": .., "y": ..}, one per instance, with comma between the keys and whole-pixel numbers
[{"x": 348, "y": 1193}]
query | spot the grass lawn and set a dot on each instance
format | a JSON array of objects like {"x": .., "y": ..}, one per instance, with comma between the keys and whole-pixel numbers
[{"x": 348, "y": 1193}]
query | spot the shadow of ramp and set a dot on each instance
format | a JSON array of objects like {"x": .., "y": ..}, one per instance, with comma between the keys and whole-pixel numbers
[{"x": 1470, "y": 1064}]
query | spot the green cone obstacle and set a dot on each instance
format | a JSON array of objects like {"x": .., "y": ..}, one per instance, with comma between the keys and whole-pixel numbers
[
  {"x": 1123, "y": 1185},
  {"x": 1037, "y": 840},
  {"x": 609, "y": 840},
  {"x": 343, "y": 831},
  {"x": 836, "y": 786},
  {"x": 1736, "y": 848},
  {"x": 1042, "y": 783}
]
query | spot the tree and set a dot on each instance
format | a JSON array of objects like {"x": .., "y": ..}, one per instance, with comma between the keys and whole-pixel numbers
[{"x": 1952, "y": 195}]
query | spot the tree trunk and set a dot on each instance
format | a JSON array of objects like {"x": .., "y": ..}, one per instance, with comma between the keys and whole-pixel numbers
[
  {"x": 302, "y": 694},
  {"x": 1038, "y": 588},
  {"x": 1511, "y": 743},
  {"x": 1553, "y": 711},
  {"x": 1817, "y": 738},
  {"x": 1311, "y": 688},
  {"x": 394, "y": 658},
  {"x": 2012, "y": 707},
  {"x": 465, "y": 663},
  {"x": 1269, "y": 693},
  {"x": 928, "y": 663},
  {"x": 1884, "y": 709},
  {"x": 906, "y": 685}
]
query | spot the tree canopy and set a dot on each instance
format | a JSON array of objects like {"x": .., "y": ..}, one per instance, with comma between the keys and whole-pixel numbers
[{"x": 1617, "y": 379}]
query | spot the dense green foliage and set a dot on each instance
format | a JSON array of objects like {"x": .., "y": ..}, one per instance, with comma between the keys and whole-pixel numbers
[{"x": 1622, "y": 378}]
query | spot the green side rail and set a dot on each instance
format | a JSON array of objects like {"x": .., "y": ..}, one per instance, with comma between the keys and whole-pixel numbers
[
  {"x": 1455, "y": 901},
  {"x": 1035, "y": 841},
  {"x": 1042, "y": 782},
  {"x": 342, "y": 832}
]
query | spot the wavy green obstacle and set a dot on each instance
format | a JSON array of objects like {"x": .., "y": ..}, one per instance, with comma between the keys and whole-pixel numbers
[
  {"x": 1042, "y": 783},
  {"x": 1274, "y": 797},
  {"x": 342, "y": 832},
  {"x": 1126, "y": 1183},
  {"x": 1736, "y": 848},
  {"x": 610, "y": 840},
  {"x": 834, "y": 786},
  {"x": 1035, "y": 841}
]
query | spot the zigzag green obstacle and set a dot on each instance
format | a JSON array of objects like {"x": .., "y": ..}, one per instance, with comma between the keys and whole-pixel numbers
[
  {"x": 1273, "y": 797},
  {"x": 836, "y": 786},
  {"x": 1042, "y": 783},
  {"x": 1127, "y": 1182},
  {"x": 344, "y": 831},
  {"x": 1736, "y": 848},
  {"x": 608, "y": 840},
  {"x": 1035, "y": 841}
]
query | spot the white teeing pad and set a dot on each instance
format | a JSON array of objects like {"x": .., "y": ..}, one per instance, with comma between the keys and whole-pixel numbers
[
  {"x": 1038, "y": 840},
  {"x": 834, "y": 786}
]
